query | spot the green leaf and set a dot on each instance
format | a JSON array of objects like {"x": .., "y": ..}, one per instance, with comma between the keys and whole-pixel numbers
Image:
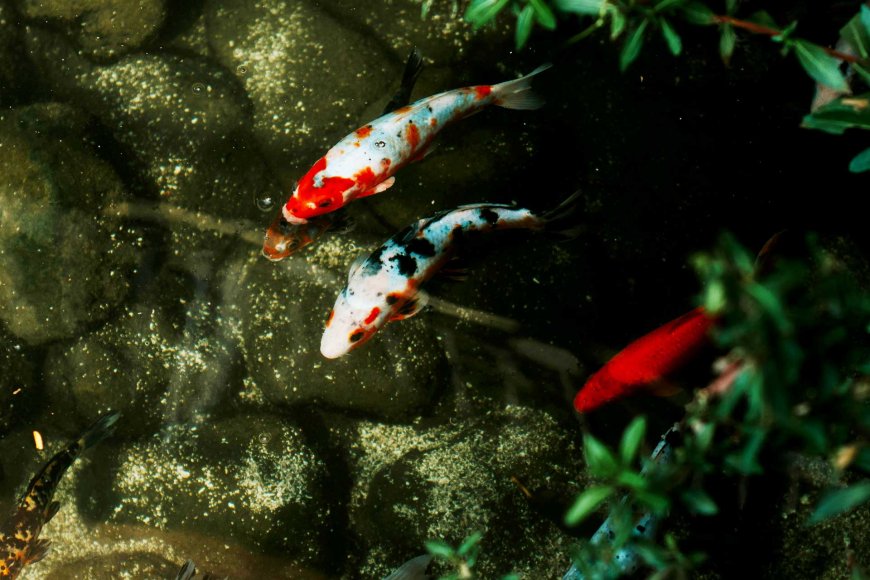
[
  {"x": 525, "y": 22},
  {"x": 839, "y": 501},
  {"x": 671, "y": 37},
  {"x": 665, "y": 4},
  {"x": 469, "y": 543},
  {"x": 863, "y": 71},
  {"x": 769, "y": 302},
  {"x": 543, "y": 14},
  {"x": 631, "y": 479},
  {"x": 632, "y": 437},
  {"x": 745, "y": 461},
  {"x": 698, "y": 13},
  {"x": 785, "y": 34},
  {"x": 480, "y": 12},
  {"x": 865, "y": 18},
  {"x": 841, "y": 114},
  {"x": 590, "y": 7},
  {"x": 860, "y": 162},
  {"x": 600, "y": 460},
  {"x": 439, "y": 549},
  {"x": 632, "y": 46},
  {"x": 820, "y": 65},
  {"x": 617, "y": 23},
  {"x": 658, "y": 504},
  {"x": 856, "y": 34},
  {"x": 727, "y": 42},
  {"x": 699, "y": 502},
  {"x": 586, "y": 503},
  {"x": 763, "y": 18},
  {"x": 730, "y": 7}
]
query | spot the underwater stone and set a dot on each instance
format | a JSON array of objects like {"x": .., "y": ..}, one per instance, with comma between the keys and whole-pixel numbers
[
  {"x": 443, "y": 36},
  {"x": 414, "y": 484},
  {"x": 181, "y": 123},
  {"x": 162, "y": 360},
  {"x": 103, "y": 29},
  {"x": 16, "y": 380},
  {"x": 308, "y": 76},
  {"x": 12, "y": 61},
  {"x": 280, "y": 310},
  {"x": 63, "y": 266},
  {"x": 252, "y": 479}
]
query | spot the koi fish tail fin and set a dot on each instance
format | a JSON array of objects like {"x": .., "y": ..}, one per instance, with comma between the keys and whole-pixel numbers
[
  {"x": 518, "y": 94},
  {"x": 104, "y": 427},
  {"x": 562, "y": 219},
  {"x": 188, "y": 569}
]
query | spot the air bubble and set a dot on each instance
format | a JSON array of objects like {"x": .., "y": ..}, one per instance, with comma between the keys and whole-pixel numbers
[
  {"x": 264, "y": 438},
  {"x": 381, "y": 144},
  {"x": 264, "y": 201},
  {"x": 242, "y": 69},
  {"x": 198, "y": 88}
]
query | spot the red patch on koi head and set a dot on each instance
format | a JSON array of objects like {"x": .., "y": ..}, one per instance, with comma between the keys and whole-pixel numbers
[
  {"x": 372, "y": 315},
  {"x": 482, "y": 91},
  {"x": 330, "y": 317},
  {"x": 433, "y": 122},
  {"x": 412, "y": 135},
  {"x": 309, "y": 201},
  {"x": 363, "y": 132}
]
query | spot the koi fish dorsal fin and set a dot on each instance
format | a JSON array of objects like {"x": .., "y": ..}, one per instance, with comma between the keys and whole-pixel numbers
[
  {"x": 37, "y": 551},
  {"x": 355, "y": 266},
  {"x": 188, "y": 569},
  {"x": 517, "y": 94},
  {"x": 411, "y": 307},
  {"x": 381, "y": 187},
  {"x": 51, "y": 511},
  {"x": 414, "y": 569}
]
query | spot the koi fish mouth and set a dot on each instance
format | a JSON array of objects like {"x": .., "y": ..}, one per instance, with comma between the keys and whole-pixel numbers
[{"x": 277, "y": 253}]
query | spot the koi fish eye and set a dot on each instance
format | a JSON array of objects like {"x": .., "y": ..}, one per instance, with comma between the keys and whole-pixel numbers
[
  {"x": 356, "y": 336},
  {"x": 325, "y": 202}
]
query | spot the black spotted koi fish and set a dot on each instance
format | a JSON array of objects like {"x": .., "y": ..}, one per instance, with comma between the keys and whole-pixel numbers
[
  {"x": 386, "y": 285},
  {"x": 364, "y": 162},
  {"x": 20, "y": 544}
]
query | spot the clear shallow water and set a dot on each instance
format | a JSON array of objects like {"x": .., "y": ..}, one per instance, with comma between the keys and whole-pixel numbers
[{"x": 135, "y": 149}]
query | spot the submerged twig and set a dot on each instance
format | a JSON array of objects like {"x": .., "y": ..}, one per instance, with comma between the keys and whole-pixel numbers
[{"x": 166, "y": 213}]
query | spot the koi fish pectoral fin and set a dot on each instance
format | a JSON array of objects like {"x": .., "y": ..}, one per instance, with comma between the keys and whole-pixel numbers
[
  {"x": 424, "y": 153},
  {"x": 37, "y": 551},
  {"x": 381, "y": 187},
  {"x": 411, "y": 307}
]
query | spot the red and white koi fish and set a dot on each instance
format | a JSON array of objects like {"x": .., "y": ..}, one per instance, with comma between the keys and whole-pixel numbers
[
  {"x": 284, "y": 238},
  {"x": 19, "y": 536},
  {"x": 647, "y": 361},
  {"x": 387, "y": 284},
  {"x": 364, "y": 162}
]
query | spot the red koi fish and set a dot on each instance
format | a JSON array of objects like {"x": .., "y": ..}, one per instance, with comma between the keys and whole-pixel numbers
[
  {"x": 647, "y": 360},
  {"x": 364, "y": 162}
]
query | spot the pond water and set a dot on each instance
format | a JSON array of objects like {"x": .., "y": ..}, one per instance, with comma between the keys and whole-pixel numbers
[{"x": 146, "y": 145}]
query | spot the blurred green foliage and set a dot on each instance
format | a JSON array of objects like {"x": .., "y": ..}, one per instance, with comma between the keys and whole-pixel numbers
[
  {"x": 462, "y": 559},
  {"x": 795, "y": 330},
  {"x": 633, "y": 22}
]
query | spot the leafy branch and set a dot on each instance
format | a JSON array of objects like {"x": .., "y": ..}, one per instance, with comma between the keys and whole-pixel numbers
[{"x": 795, "y": 380}]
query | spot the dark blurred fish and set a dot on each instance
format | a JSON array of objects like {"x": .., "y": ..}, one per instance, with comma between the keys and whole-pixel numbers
[
  {"x": 284, "y": 238},
  {"x": 413, "y": 569},
  {"x": 19, "y": 536}
]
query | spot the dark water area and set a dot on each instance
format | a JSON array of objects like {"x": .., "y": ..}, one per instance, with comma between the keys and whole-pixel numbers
[{"x": 146, "y": 145}]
